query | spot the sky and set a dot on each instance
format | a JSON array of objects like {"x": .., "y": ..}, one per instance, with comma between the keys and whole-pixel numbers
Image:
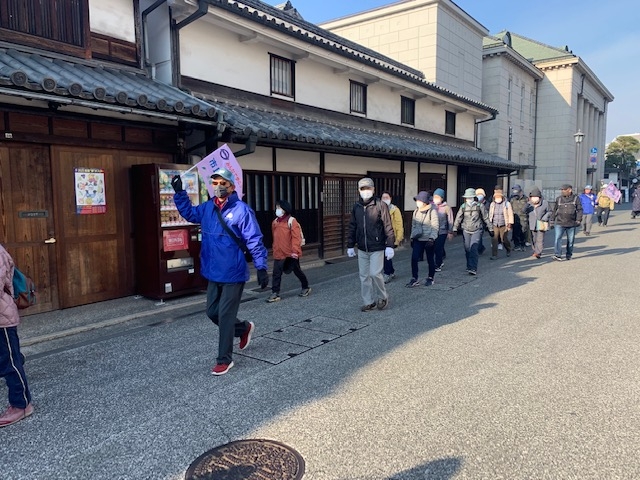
[{"x": 605, "y": 34}]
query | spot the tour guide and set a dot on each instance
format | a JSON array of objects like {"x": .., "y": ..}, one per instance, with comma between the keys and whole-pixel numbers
[{"x": 222, "y": 260}]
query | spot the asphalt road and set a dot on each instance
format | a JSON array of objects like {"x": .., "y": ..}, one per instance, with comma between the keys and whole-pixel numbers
[{"x": 527, "y": 371}]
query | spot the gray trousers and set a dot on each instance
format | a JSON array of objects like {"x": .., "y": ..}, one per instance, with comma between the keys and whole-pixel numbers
[
  {"x": 537, "y": 242},
  {"x": 223, "y": 302},
  {"x": 371, "y": 281},
  {"x": 587, "y": 220}
]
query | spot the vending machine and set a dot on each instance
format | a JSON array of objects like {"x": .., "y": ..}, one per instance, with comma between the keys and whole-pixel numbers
[{"x": 167, "y": 247}]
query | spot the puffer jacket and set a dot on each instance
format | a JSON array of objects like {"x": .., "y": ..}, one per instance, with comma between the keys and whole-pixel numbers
[
  {"x": 540, "y": 211},
  {"x": 508, "y": 212},
  {"x": 370, "y": 227},
  {"x": 286, "y": 241},
  {"x": 472, "y": 218},
  {"x": 603, "y": 201},
  {"x": 221, "y": 259},
  {"x": 425, "y": 224},
  {"x": 567, "y": 212},
  {"x": 445, "y": 219},
  {"x": 397, "y": 223},
  {"x": 9, "y": 316}
]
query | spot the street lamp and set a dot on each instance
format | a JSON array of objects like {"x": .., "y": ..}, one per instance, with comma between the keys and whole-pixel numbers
[{"x": 578, "y": 137}]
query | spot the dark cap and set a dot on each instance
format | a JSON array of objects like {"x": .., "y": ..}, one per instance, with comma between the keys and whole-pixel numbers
[
  {"x": 566, "y": 186},
  {"x": 422, "y": 196}
]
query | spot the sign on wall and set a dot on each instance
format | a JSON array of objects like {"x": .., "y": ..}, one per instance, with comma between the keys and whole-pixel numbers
[{"x": 90, "y": 191}]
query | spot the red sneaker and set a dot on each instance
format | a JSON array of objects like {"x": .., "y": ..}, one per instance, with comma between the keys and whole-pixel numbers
[
  {"x": 221, "y": 368},
  {"x": 13, "y": 414},
  {"x": 245, "y": 339}
]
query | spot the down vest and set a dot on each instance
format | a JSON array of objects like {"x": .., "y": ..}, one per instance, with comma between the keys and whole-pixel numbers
[{"x": 9, "y": 316}]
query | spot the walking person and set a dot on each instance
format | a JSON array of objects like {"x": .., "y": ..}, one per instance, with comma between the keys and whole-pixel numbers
[
  {"x": 481, "y": 197},
  {"x": 371, "y": 230},
  {"x": 635, "y": 199},
  {"x": 501, "y": 217},
  {"x": 538, "y": 216},
  {"x": 567, "y": 216},
  {"x": 398, "y": 231},
  {"x": 11, "y": 360},
  {"x": 287, "y": 250},
  {"x": 424, "y": 232},
  {"x": 473, "y": 218},
  {"x": 445, "y": 231},
  {"x": 228, "y": 226},
  {"x": 605, "y": 205},
  {"x": 588, "y": 200},
  {"x": 520, "y": 228}
]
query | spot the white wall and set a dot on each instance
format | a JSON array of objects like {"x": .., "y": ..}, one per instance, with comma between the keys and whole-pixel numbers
[
  {"x": 113, "y": 18},
  {"x": 297, "y": 161}
]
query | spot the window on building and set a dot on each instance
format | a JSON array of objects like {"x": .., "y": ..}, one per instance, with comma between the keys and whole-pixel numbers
[
  {"x": 61, "y": 26},
  {"x": 408, "y": 110},
  {"x": 282, "y": 76},
  {"x": 450, "y": 123},
  {"x": 509, "y": 97},
  {"x": 522, "y": 105},
  {"x": 358, "y": 97}
]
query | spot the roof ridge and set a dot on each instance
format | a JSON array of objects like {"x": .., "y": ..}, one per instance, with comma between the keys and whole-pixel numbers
[{"x": 537, "y": 42}]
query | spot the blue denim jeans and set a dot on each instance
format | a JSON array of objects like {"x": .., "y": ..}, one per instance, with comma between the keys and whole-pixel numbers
[
  {"x": 471, "y": 246},
  {"x": 571, "y": 235}
]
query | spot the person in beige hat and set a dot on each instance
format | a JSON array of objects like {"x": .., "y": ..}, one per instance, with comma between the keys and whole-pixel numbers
[{"x": 501, "y": 217}]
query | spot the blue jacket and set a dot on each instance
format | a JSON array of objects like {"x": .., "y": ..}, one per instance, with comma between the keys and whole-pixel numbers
[
  {"x": 221, "y": 260},
  {"x": 588, "y": 203}
]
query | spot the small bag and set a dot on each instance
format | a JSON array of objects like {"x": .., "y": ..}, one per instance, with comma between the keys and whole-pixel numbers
[
  {"x": 542, "y": 226},
  {"x": 24, "y": 290},
  {"x": 247, "y": 255}
]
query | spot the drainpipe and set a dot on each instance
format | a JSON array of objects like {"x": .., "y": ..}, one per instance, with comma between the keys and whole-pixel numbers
[
  {"x": 475, "y": 133},
  {"x": 535, "y": 130},
  {"x": 203, "y": 8},
  {"x": 145, "y": 32}
]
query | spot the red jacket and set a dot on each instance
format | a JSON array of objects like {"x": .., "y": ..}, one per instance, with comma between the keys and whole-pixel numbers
[
  {"x": 287, "y": 241},
  {"x": 9, "y": 316}
]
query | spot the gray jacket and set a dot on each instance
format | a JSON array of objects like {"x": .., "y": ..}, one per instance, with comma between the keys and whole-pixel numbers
[
  {"x": 472, "y": 218},
  {"x": 425, "y": 225}
]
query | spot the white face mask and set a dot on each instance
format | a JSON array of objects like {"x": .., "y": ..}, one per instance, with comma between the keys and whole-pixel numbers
[
  {"x": 388, "y": 202},
  {"x": 366, "y": 194},
  {"x": 535, "y": 199},
  {"x": 469, "y": 201},
  {"x": 437, "y": 201},
  {"x": 499, "y": 200},
  {"x": 419, "y": 204},
  {"x": 279, "y": 212}
]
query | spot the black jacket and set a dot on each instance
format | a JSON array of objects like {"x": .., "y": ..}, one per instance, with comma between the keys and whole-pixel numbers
[
  {"x": 567, "y": 211},
  {"x": 370, "y": 226}
]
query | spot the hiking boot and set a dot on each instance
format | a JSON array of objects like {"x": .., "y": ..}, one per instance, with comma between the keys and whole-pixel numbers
[
  {"x": 275, "y": 297},
  {"x": 221, "y": 368},
  {"x": 428, "y": 282},
  {"x": 382, "y": 303},
  {"x": 14, "y": 414},
  {"x": 558, "y": 258},
  {"x": 388, "y": 278},
  {"x": 413, "y": 283},
  {"x": 368, "y": 308},
  {"x": 305, "y": 292},
  {"x": 245, "y": 339}
]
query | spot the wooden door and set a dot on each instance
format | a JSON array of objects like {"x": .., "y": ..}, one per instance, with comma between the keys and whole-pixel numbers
[
  {"x": 338, "y": 196},
  {"x": 26, "y": 208}
]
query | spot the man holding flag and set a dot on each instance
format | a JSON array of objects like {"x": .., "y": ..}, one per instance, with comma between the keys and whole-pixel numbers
[{"x": 229, "y": 228}]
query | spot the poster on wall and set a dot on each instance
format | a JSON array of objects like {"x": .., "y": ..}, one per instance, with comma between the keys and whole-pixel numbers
[{"x": 90, "y": 191}]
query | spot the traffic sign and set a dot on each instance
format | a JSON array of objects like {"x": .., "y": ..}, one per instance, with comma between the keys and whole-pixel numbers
[
  {"x": 593, "y": 158},
  {"x": 594, "y": 151}
]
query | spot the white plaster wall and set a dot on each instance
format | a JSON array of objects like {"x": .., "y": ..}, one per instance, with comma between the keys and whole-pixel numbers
[
  {"x": 451, "y": 193},
  {"x": 410, "y": 186},
  {"x": 297, "y": 161},
  {"x": 113, "y": 18},
  {"x": 260, "y": 160},
  {"x": 354, "y": 165}
]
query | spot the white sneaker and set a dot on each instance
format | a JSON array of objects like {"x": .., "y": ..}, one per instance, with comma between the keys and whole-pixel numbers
[
  {"x": 499, "y": 246},
  {"x": 527, "y": 244}
]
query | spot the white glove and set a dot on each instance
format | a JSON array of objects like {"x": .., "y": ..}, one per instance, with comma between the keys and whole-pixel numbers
[
  {"x": 389, "y": 253},
  {"x": 351, "y": 252}
]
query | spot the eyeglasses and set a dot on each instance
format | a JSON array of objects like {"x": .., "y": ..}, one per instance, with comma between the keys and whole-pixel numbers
[{"x": 224, "y": 183}]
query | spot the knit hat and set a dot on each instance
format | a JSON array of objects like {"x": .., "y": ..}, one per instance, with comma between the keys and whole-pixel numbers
[
  {"x": 439, "y": 192},
  {"x": 480, "y": 191},
  {"x": 284, "y": 205},
  {"x": 516, "y": 188},
  {"x": 469, "y": 193},
  {"x": 423, "y": 197},
  {"x": 535, "y": 192}
]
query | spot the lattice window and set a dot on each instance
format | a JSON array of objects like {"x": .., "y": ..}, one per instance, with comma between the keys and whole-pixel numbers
[
  {"x": 282, "y": 76},
  {"x": 358, "y": 97}
]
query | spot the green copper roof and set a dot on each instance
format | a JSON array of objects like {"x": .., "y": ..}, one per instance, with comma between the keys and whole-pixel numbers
[{"x": 535, "y": 51}]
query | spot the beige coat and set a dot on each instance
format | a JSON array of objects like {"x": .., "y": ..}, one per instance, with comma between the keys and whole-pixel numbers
[
  {"x": 508, "y": 212},
  {"x": 9, "y": 316}
]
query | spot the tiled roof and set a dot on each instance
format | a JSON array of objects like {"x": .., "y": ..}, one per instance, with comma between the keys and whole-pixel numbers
[
  {"x": 277, "y": 19},
  {"x": 367, "y": 138},
  {"x": 73, "y": 80},
  {"x": 535, "y": 51}
]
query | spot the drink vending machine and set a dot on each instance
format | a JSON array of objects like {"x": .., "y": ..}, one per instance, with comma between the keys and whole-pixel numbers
[{"x": 166, "y": 246}]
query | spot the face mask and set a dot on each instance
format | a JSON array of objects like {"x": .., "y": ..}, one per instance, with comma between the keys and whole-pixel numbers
[
  {"x": 419, "y": 204},
  {"x": 279, "y": 212},
  {"x": 469, "y": 201},
  {"x": 480, "y": 198},
  {"x": 515, "y": 193},
  {"x": 220, "y": 191},
  {"x": 388, "y": 202},
  {"x": 498, "y": 200},
  {"x": 366, "y": 194},
  {"x": 535, "y": 199},
  {"x": 437, "y": 201}
]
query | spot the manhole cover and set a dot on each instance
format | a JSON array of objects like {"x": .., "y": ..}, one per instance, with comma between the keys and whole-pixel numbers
[{"x": 248, "y": 460}]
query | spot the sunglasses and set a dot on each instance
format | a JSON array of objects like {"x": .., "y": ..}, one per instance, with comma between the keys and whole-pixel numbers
[{"x": 224, "y": 183}]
